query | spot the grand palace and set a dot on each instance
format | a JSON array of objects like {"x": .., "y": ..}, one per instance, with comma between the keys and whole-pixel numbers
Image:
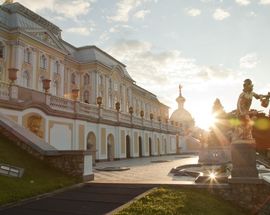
[{"x": 79, "y": 98}]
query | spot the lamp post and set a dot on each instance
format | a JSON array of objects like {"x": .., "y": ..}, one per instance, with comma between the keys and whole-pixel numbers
[
  {"x": 46, "y": 85},
  {"x": 151, "y": 116},
  {"x": 130, "y": 110},
  {"x": 117, "y": 106},
  {"x": 12, "y": 75},
  {"x": 75, "y": 94},
  {"x": 99, "y": 101}
]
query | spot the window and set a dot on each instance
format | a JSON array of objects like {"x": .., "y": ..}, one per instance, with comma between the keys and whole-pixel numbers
[
  {"x": 55, "y": 88},
  {"x": 86, "y": 96},
  {"x": 86, "y": 79},
  {"x": 2, "y": 50},
  {"x": 40, "y": 84},
  {"x": 43, "y": 62},
  {"x": 73, "y": 78},
  {"x": 1, "y": 73},
  {"x": 57, "y": 67},
  {"x": 110, "y": 84},
  {"x": 25, "y": 79},
  {"x": 27, "y": 56},
  {"x": 100, "y": 80}
]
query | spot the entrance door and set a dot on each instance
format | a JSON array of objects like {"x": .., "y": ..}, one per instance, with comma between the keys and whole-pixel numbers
[{"x": 128, "y": 146}]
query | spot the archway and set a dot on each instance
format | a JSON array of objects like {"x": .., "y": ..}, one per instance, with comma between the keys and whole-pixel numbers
[
  {"x": 165, "y": 147},
  {"x": 158, "y": 146},
  {"x": 91, "y": 145},
  {"x": 128, "y": 147},
  {"x": 140, "y": 146},
  {"x": 110, "y": 147},
  {"x": 150, "y": 146}
]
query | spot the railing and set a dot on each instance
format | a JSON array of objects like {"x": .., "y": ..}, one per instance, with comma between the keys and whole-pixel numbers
[
  {"x": 87, "y": 110},
  {"x": 61, "y": 104},
  {"x": 137, "y": 121},
  {"x": 124, "y": 118},
  {"x": 4, "y": 90},
  {"x": 109, "y": 114}
]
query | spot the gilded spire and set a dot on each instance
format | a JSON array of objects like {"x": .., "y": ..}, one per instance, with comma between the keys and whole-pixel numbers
[
  {"x": 180, "y": 90},
  {"x": 8, "y": 2}
]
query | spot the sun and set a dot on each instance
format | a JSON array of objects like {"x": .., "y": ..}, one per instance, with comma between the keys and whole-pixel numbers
[{"x": 205, "y": 120}]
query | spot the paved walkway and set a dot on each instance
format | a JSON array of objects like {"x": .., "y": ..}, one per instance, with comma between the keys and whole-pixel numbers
[
  {"x": 143, "y": 170},
  {"x": 109, "y": 190}
]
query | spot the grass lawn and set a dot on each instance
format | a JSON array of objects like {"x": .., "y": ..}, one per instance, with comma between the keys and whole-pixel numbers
[
  {"x": 168, "y": 201},
  {"x": 38, "y": 177}
]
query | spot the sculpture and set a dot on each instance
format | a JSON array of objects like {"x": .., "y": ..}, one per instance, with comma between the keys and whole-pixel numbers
[
  {"x": 244, "y": 130},
  {"x": 34, "y": 124}
]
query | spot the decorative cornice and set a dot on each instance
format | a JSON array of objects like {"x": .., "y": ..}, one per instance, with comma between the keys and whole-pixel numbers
[{"x": 18, "y": 8}]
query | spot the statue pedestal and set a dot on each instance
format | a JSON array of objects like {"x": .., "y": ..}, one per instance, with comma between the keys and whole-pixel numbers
[{"x": 244, "y": 159}]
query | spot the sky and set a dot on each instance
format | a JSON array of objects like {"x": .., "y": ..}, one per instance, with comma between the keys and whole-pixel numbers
[{"x": 208, "y": 46}]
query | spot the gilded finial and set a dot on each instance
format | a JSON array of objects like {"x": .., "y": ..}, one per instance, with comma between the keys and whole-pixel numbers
[{"x": 180, "y": 89}]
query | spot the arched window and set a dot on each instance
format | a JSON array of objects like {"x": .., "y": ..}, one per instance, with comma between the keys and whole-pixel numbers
[
  {"x": 86, "y": 79},
  {"x": 100, "y": 80},
  {"x": 86, "y": 96},
  {"x": 57, "y": 67},
  {"x": 1, "y": 73},
  {"x": 40, "y": 84},
  {"x": 43, "y": 62},
  {"x": 110, "y": 101},
  {"x": 73, "y": 78},
  {"x": 2, "y": 50},
  {"x": 25, "y": 79},
  {"x": 27, "y": 56},
  {"x": 55, "y": 87}
]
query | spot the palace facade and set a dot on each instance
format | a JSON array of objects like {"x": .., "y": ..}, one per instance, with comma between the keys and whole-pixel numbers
[{"x": 76, "y": 98}]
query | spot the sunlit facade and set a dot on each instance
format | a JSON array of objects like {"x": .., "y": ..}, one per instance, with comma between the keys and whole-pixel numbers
[{"x": 129, "y": 121}]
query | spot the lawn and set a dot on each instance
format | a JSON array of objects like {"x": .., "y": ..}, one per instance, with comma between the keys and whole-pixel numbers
[
  {"x": 38, "y": 177},
  {"x": 168, "y": 201}
]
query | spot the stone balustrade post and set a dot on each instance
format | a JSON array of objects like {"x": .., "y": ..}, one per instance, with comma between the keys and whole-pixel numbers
[{"x": 13, "y": 92}]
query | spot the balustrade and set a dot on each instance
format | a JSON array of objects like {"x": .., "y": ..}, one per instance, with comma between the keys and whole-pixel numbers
[
  {"x": 4, "y": 90},
  {"x": 62, "y": 104}
]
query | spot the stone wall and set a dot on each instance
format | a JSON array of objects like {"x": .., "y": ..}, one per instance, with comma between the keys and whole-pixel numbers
[
  {"x": 69, "y": 162},
  {"x": 253, "y": 196}
]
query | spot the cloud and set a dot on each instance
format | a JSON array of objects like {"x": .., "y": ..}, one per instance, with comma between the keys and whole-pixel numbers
[
  {"x": 69, "y": 9},
  {"x": 214, "y": 72},
  {"x": 141, "y": 14},
  {"x": 193, "y": 12},
  {"x": 264, "y": 2},
  {"x": 119, "y": 28},
  {"x": 243, "y": 2},
  {"x": 249, "y": 61},
  {"x": 124, "y": 8},
  {"x": 220, "y": 14},
  {"x": 80, "y": 30}
]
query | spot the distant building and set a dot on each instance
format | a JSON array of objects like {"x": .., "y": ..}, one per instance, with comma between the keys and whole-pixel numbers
[
  {"x": 90, "y": 103},
  {"x": 183, "y": 119}
]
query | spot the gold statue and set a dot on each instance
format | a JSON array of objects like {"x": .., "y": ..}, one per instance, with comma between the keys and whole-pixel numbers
[
  {"x": 244, "y": 131},
  {"x": 34, "y": 124}
]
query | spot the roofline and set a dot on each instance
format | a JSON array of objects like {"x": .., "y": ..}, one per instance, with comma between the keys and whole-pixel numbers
[
  {"x": 22, "y": 10},
  {"x": 103, "y": 52}
]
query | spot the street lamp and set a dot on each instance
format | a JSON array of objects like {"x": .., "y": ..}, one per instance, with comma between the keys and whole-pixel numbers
[{"x": 99, "y": 101}]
